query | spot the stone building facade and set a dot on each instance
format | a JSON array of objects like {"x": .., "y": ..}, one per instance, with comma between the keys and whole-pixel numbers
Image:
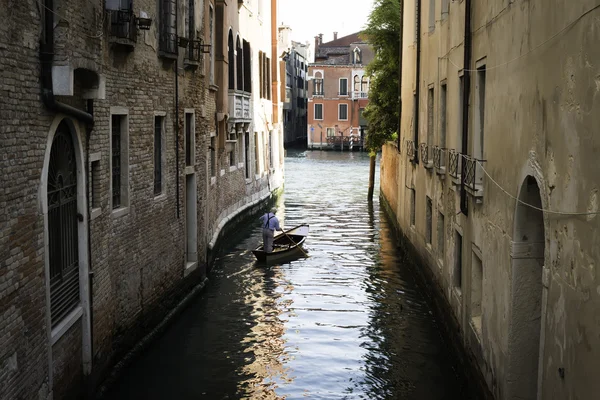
[
  {"x": 117, "y": 175},
  {"x": 338, "y": 93},
  {"x": 295, "y": 92},
  {"x": 494, "y": 187}
]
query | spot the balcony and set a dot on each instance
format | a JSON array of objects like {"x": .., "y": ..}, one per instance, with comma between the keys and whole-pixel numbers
[
  {"x": 410, "y": 149},
  {"x": 474, "y": 176},
  {"x": 454, "y": 166},
  {"x": 123, "y": 30},
  {"x": 439, "y": 160},
  {"x": 359, "y": 95},
  {"x": 318, "y": 93},
  {"x": 239, "y": 107},
  {"x": 424, "y": 153},
  {"x": 194, "y": 54}
]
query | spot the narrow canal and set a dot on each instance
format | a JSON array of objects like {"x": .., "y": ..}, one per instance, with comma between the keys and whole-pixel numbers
[{"x": 347, "y": 322}]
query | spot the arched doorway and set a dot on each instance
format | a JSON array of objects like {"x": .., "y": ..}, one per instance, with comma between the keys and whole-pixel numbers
[
  {"x": 63, "y": 249},
  {"x": 526, "y": 295}
]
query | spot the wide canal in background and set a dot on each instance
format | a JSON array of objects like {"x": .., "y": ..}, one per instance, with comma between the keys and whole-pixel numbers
[{"x": 348, "y": 322}]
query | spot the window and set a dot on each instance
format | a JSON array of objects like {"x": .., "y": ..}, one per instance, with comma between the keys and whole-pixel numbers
[
  {"x": 428, "y": 221},
  {"x": 264, "y": 75},
  {"x": 318, "y": 84},
  {"x": 343, "y": 87},
  {"x": 247, "y": 68},
  {"x": 364, "y": 85},
  {"x": 213, "y": 158},
  {"x": 247, "y": 153},
  {"x": 431, "y": 15},
  {"x": 256, "y": 154},
  {"x": 412, "y": 207},
  {"x": 461, "y": 94},
  {"x": 239, "y": 66},
  {"x": 168, "y": 27},
  {"x": 330, "y": 132},
  {"x": 158, "y": 154},
  {"x": 231, "y": 61},
  {"x": 319, "y": 111},
  {"x": 356, "y": 83},
  {"x": 271, "y": 149},
  {"x": 190, "y": 156},
  {"x": 430, "y": 130},
  {"x": 268, "y": 69},
  {"x": 261, "y": 74},
  {"x": 440, "y": 236},
  {"x": 480, "y": 115},
  {"x": 95, "y": 183},
  {"x": 211, "y": 27},
  {"x": 476, "y": 291},
  {"x": 119, "y": 159},
  {"x": 443, "y": 98},
  {"x": 457, "y": 275},
  {"x": 343, "y": 112}
]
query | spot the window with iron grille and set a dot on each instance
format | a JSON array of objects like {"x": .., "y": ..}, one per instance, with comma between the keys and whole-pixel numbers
[
  {"x": 247, "y": 153},
  {"x": 213, "y": 152},
  {"x": 211, "y": 24},
  {"x": 428, "y": 220},
  {"x": 158, "y": 154},
  {"x": 343, "y": 87},
  {"x": 318, "y": 111},
  {"x": 189, "y": 139},
  {"x": 122, "y": 20},
  {"x": 168, "y": 27},
  {"x": 231, "y": 61},
  {"x": 343, "y": 112},
  {"x": 63, "y": 250},
  {"x": 116, "y": 125}
]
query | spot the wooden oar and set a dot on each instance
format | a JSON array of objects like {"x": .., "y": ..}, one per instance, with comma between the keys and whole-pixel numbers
[{"x": 292, "y": 240}]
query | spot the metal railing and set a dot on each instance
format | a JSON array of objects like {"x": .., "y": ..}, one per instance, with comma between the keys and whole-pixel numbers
[
  {"x": 424, "y": 152},
  {"x": 454, "y": 164},
  {"x": 357, "y": 94},
  {"x": 194, "y": 51},
  {"x": 410, "y": 149},
  {"x": 439, "y": 158},
  {"x": 168, "y": 43},
  {"x": 122, "y": 25},
  {"x": 473, "y": 173}
]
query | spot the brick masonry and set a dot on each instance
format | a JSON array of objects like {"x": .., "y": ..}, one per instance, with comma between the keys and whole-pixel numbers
[{"x": 137, "y": 258}]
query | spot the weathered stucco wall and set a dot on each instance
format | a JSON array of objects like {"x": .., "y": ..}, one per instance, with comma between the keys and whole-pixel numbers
[{"x": 525, "y": 291}]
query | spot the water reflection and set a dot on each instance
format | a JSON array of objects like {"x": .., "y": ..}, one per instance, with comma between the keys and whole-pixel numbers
[{"x": 347, "y": 322}]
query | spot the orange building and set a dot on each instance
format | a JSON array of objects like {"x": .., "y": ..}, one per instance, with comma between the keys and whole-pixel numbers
[{"x": 338, "y": 93}]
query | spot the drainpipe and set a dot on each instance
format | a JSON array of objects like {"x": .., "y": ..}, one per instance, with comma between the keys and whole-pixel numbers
[
  {"x": 467, "y": 90},
  {"x": 400, "y": 76},
  {"x": 46, "y": 59},
  {"x": 177, "y": 117},
  {"x": 90, "y": 109},
  {"x": 418, "y": 82}
]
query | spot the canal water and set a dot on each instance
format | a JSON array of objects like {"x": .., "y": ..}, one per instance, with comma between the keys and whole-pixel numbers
[{"x": 348, "y": 322}]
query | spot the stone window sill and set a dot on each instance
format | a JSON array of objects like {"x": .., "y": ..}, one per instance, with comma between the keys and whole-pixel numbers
[
  {"x": 96, "y": 212},
  {"x": 120, "y": 212},
  {"x": 65, "y": 325}
]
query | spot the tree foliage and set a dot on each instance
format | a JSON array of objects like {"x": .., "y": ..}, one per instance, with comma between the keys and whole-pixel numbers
[{"x": 383, "y": 34}]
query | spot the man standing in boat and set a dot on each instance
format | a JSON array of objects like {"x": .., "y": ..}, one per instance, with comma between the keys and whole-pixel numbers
[{"x": 270, "y": 224}]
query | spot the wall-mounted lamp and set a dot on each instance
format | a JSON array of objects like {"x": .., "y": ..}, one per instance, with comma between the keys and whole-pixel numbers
[{"x": 143, "y": 22}]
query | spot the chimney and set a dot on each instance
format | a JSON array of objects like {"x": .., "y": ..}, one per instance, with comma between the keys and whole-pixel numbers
[
  {"x": 334, "y": 35},
  {"x": 320, "y": 38}
]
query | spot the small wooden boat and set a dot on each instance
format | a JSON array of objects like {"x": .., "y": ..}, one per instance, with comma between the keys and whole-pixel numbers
[{"x": 286, "y": 246}]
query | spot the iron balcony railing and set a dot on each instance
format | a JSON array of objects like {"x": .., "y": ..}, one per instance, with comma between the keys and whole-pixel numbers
[
  {"x": 318, "y": 93},
  {"x": 410, "y": 149},
  {"x": 195, "y": 51},
  {"x": 122, "y": 25},
  {"x": 439, "y": 158},
  {"x": 473, "y": 173},
  {"x": 424, "y": 153},
  {"x": 359, "y": 95},
  {"x": 454, "y": 164},
  {"x": 168, "y": 43}
]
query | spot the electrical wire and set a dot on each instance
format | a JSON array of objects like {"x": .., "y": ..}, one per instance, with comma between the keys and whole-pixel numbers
[
  {"x": 569, "y": 26},
  {"x": 527, "y": 204}
]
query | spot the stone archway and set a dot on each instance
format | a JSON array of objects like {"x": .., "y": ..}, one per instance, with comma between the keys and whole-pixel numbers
[{"x": 525, "y": 324}]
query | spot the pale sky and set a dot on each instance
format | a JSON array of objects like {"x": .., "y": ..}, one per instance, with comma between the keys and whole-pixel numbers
[{"x": 308, "y": 18}]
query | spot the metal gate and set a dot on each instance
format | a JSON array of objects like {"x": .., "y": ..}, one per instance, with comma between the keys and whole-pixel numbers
[{"x": 62, "y": 226}]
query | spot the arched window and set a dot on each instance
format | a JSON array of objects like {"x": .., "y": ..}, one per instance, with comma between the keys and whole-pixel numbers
[
  {"x": 239, "y": 65},
  {"x": 231, "y": 61},
  {"x": 364, "y": 85},
  {"x": 318, "y": 84},
  {"x": 247, "y": 68},
  {"x": 356, "y": 83}
]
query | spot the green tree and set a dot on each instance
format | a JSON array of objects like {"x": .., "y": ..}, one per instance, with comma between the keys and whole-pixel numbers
[{"x": 383, "y": 32}]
